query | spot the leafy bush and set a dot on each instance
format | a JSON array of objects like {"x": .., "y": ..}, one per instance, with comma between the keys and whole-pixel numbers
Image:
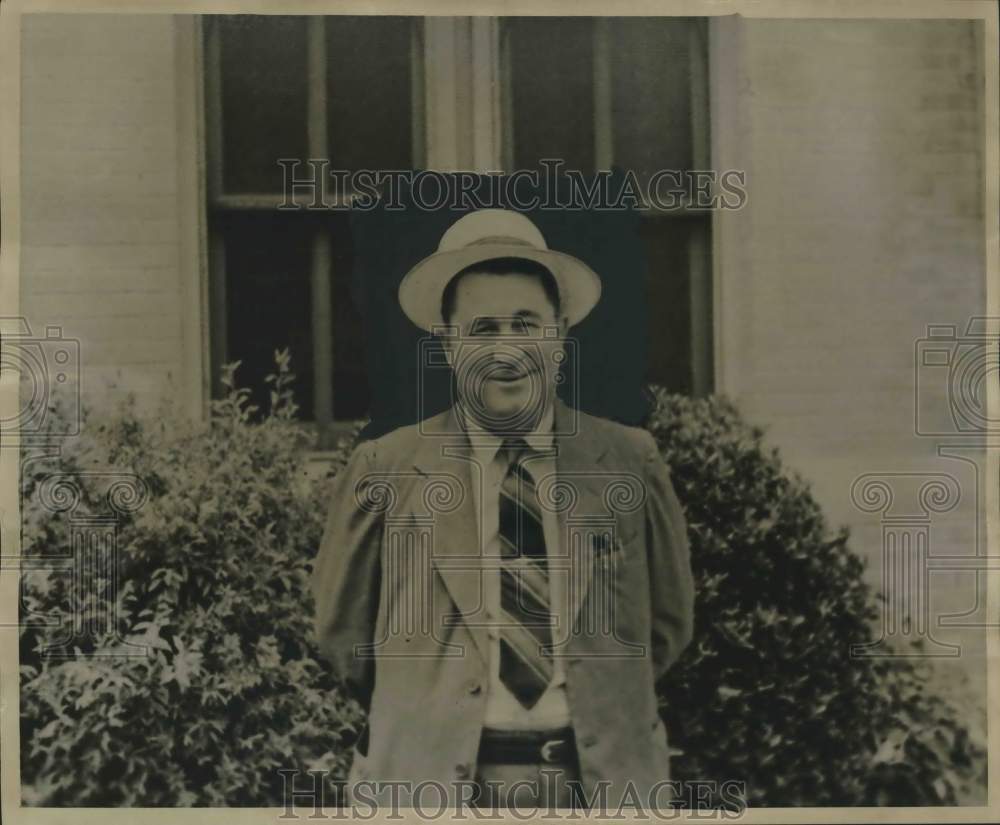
[
  {"x": 768, "y": 692},
  {"x": 214, "y": 570},
  {"x": 215, "y": 581}
]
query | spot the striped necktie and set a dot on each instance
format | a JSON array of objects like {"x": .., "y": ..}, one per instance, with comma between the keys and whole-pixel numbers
[{"x": 526, "y": 632}]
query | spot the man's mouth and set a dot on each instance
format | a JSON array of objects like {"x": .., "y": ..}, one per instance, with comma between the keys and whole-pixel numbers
[{"x": 508, "y": 373}]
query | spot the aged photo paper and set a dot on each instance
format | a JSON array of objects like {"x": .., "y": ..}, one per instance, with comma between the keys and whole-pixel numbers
[{"x": 499, "y": 411}]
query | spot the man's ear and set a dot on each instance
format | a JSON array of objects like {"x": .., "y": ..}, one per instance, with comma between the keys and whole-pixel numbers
[
  {"x": 447, "y": 336},
  {"x": 448, "y": 345}
]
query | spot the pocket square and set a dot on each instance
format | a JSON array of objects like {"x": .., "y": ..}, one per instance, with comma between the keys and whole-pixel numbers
[{"x": 605, "y": 543}]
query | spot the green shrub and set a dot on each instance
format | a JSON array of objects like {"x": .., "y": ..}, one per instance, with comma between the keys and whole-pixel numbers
[
  {"x": 215, "y": 570},
  {"x": 768, "y": 693}
]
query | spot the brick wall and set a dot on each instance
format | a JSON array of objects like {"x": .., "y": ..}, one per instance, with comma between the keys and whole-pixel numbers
[{"x": 100, "y": 238}]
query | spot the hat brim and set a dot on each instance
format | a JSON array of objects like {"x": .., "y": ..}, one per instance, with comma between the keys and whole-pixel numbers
[{"x": 422, "y": 287}]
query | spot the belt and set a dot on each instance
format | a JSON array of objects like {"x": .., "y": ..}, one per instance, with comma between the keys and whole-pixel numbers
[{"x": 527, "y": 747}]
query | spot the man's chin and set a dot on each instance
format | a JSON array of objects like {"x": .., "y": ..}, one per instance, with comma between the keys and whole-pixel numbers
[{"x": 514, "y": 416}]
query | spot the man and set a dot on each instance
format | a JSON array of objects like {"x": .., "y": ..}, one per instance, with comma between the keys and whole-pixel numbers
[{"x": 502, "y": 584}]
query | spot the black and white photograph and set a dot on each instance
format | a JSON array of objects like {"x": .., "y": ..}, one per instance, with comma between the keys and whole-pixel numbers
[{"x": 499, "y": 410}]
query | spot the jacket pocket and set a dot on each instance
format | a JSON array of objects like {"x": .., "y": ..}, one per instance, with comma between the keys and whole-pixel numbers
[{"x": 611, "y": 543}]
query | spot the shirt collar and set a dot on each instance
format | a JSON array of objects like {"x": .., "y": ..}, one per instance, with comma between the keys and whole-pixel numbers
[{"x": 486, "y": 444}]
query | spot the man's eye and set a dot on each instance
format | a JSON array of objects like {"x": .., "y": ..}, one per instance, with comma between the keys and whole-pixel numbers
[{"x": 519, "y": 326}]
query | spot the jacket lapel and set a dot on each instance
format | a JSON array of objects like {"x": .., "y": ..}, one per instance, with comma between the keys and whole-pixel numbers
[
  {"x": 443, "y": 452},
  {"x": 579, "y": 456},
  {"x": 456, "y": 544}
]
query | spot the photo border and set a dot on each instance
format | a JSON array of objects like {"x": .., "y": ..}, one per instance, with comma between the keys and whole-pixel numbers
[{"x": 10, "y": 52}]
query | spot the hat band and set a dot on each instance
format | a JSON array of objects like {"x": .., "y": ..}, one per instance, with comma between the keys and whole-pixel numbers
[{"x": 501, "y": 239}]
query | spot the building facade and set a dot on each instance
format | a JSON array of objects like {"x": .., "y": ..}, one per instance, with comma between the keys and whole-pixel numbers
[{"x": 142, "y": 210}]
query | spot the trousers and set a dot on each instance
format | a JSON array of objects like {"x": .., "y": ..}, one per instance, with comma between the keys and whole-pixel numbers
[{"x": 540, "y": 787}]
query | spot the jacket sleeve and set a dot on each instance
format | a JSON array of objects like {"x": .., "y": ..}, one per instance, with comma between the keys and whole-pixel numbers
[
  {"x": 346, "y": 577},
  {"x": 670, "y": 579}
]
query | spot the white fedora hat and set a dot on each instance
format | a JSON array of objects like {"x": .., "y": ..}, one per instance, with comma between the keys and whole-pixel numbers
[{"x": 481, "y": 236}]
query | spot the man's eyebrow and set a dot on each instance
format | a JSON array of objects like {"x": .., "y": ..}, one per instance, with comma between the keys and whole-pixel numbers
[{"x": 492, "y": 319}]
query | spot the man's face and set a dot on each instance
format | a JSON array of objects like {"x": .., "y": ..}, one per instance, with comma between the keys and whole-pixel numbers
[{"x": 508, "y": 350}]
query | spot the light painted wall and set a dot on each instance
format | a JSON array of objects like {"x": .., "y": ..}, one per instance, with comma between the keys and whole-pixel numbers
[
  {"x": 862, "y": 144},
  {"x": 100, "y": 230}
]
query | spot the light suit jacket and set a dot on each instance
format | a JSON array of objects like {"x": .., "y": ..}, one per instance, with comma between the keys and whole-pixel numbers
[{"x": 399, "y": 599}]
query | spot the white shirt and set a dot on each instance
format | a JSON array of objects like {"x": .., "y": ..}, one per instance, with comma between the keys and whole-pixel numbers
[{"x": 503, "y": 710}]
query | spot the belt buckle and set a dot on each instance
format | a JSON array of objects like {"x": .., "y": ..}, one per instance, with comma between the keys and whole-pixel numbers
[{"x": 548, "y": 748}]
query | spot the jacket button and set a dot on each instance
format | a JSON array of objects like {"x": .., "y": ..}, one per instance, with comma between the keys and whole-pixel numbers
[
  {"x": 475, "y": 688},
  {"x": 462, "y": 771},
  {"x": 589, "y": 740}
]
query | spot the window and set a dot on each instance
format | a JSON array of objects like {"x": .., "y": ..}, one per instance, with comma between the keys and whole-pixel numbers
[
  {"x": 288, "y": 87},
  {"x": 597, "y": 92},
  {"x": 632, "y": 93}
]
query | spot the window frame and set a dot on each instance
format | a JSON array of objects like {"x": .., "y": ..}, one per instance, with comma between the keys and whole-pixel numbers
[
  {"x": 699, "y": 252},
  {"x": 328, "y": 430},
  {"x": 461, "y": 120}
]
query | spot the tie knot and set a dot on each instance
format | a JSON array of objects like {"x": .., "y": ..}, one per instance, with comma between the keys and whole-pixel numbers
[{"x": 514, "y": 449}]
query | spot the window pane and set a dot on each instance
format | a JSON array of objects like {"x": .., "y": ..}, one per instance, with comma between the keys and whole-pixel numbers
[
  {"x": 551, "y": 69},
  {"x": 268, "y": 256},
  {"x": 668, "y": 291},
  {"x": 651, "y": 93},
  {"x": 370, "y": 104},
  {"x": 264, "y": 94},
  {"x": 551, "y": 64},
  {"x": 350, "y": 366},
  {"x": 269, "y": 305}
]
